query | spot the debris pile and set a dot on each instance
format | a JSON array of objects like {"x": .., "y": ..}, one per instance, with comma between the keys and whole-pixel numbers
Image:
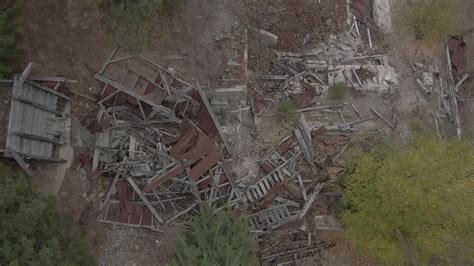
[
  {"x": 302, "y": 76},
  {"x": 432, "y": 84},
  {"x": 163, "y": 155},
  {"x": 283, "y": 200},
  {"x": 159, "y": 140}
]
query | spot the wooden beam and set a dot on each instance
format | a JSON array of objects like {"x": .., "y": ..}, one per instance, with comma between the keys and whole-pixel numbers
[
  {"x": 461, "y": 81},
  {"x": 164, "y": 69},
  {"x": 36, "y": 157},
  {"x": 383, "y": 118},
  {"x": 21, "y": 162},
  {"x": 182, "y": 213},
  {"x": 6, "y": 82},
  {"x": 168, "y": 90},
  {"x": 26, "y": 73},
  {"x": 150, "y": 227},
  {"x": 109, "y": 193},
  {"x": 107, "y": 62},
  {"x": 37, "y": 105},
  {"x": 214, "y": 119},
  {"x": 144, "y": 199},
  {"x": 108, "y": 96},
  {"x": 52, "y": 79},
  {"x": 310, "y": 201},
  {"x": 48, "y": 90},
  {"x": 453, "y": 96},
  {"x": 35, "y": 137},
  {"x": 163, "y": 110}
]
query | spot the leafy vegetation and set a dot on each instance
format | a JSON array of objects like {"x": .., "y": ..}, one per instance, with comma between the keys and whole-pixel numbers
[
  {"x": 216, "y": 238},
  {"x": 32, "y": 232},
  {"x": 172, "y": 3},
  {"x": 286, "y": 111},
  {"x": 9, "y": 52},
  {"x": 412, "y": 202},
  {"x": 338, "y": 91},
  {"x": 430, "y": 21},
  {"x": 130, "y": 22}
]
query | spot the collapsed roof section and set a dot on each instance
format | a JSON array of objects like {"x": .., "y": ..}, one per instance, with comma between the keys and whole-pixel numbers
[
  {"x": 139, "y": 82},
  {"x": 157, "y": 136}
]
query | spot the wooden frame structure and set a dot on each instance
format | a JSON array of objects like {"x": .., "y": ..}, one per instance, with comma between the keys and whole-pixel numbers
[
  {"x": 167, "y": 137},
  {"x": 38, "y": 121},
  {"x": 149, "y": 83}
]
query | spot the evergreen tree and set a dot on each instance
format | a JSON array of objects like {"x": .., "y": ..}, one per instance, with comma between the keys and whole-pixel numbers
[
  {"x": 216, "y": 238},
  {"x": 9, "y": 53},
  {"x": 32, "y": 232}
]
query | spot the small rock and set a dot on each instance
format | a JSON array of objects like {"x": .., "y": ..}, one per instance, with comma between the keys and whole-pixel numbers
[
  {"x": 428, "y": 79},
  {"x": 419, "y": 65}
]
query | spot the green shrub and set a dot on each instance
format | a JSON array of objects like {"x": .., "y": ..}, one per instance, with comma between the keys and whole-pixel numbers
[
  {"x": 430, "y": 21},
  {"x": 172, "y": 3},
  {"x": 338, "y": 91},
  {"x": 132, "y": 23},
  {"x": 216, "y": 238},
  {"x": 411, "y": 202},
  {"x": 32, "y": 232},
  {"x": 286, "y": 111},
  {"x": 9, "y": 53}
]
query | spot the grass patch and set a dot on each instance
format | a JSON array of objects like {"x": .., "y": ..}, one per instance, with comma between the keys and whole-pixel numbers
[
  {"x": 286, "y": 111},
  {"x": 338, "y": 91},
  {"x": 131, "y": 23},
  {"x": 429, "y": 22}
]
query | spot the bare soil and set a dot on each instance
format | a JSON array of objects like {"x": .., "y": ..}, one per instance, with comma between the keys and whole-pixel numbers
[{"x": 297, "y": 23}]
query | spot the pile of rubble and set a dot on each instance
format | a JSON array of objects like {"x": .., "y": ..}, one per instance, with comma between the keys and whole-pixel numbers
[
  {"x": 303, "y": 76},
  {"x": 161, "y": 149},
  {"x": 159, "y": 141}
]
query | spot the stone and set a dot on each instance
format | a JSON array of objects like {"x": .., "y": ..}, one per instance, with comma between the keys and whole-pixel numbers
[{"x": 428, "y": 79}]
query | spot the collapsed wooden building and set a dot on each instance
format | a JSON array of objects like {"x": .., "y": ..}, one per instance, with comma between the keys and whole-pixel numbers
[{"x": 161, "y": 149}]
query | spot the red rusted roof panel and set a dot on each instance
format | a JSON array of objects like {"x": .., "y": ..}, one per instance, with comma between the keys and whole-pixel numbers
[
  {"x": 203, "y": 147},
  {"x": 205, "y": 164}
]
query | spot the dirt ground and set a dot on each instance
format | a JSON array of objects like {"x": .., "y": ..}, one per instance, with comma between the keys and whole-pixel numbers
[{"x": 190, "y": 38}]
